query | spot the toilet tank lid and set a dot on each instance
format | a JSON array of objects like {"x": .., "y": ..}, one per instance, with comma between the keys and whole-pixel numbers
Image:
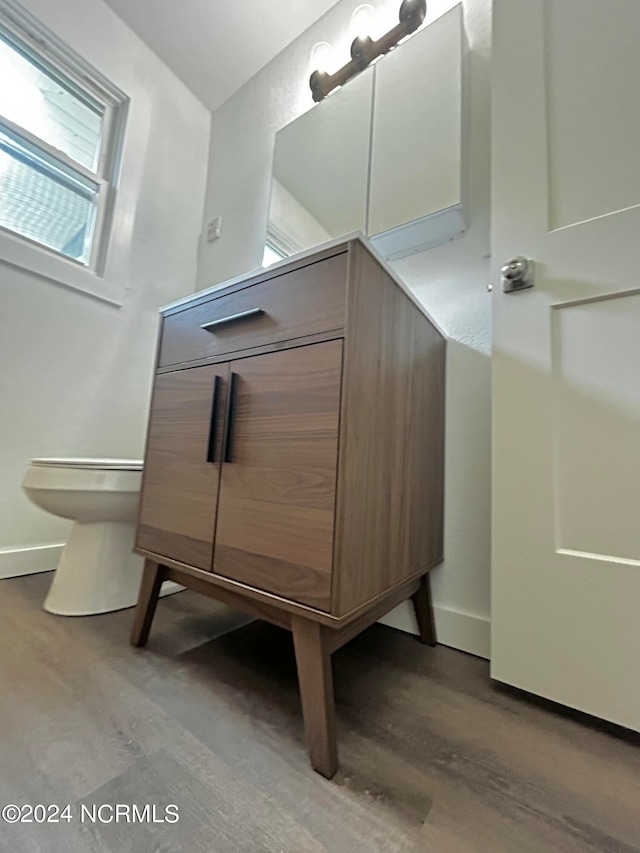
[{"x": 99, "y": 464}]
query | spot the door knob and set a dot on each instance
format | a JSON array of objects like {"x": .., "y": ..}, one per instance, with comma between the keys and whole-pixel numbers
[{"x": 517, "y": 274}]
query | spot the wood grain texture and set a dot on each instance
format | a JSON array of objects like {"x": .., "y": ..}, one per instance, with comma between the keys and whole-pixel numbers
[
  {"x": 300, "y": 583},
  {"x": 315, "y": 679},
  {"x": 305, "y": 301},
  {"x": 169, "y": 543},
  {"x": 391, "y": 474},
  {"x": 256, "y": 609},
  {"x": 277, "y": 497},
  {"x": 384, "y": 602},
  {"x": 423, "y": 608},
  {"x": 337, "y": 637},
  {"x": 292, "y": 264},
  {"x": 180, "y": 488},
  {"x": 433, "y": 757},
  {"x": 291, "y": 533},
  {"x": 276, "y": 346},
  {"x": 153, "y": 577}
]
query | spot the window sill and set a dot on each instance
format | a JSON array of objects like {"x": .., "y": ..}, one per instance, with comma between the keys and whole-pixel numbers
[{"x": 29, "y": 257}]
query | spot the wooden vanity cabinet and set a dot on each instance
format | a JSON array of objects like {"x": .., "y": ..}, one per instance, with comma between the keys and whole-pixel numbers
[
  {"x": 294, "y": 460},
  {"x": 275, "y": 522},
  {"x": 181, "y": 476}
]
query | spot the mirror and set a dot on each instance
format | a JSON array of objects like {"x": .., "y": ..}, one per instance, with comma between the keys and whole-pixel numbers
[{"x": 320, "y": 170}]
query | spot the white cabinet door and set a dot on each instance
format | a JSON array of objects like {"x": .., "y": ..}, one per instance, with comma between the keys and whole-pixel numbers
[
  {"x": 566, "y": 362},
  {"x": 321, "y": 169},
  {"x": 416, "y": 136}
]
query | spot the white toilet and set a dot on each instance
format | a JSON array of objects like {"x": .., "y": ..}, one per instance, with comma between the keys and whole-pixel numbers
[{"x": 97, "y": 572}]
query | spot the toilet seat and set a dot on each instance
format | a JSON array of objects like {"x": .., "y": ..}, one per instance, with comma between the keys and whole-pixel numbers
[
  {"x": 90, "y": 464},
  {"x": 84, "y": 475}
]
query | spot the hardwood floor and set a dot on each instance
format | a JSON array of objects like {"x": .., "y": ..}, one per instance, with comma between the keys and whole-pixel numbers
[{"x": 433, "y": 757}]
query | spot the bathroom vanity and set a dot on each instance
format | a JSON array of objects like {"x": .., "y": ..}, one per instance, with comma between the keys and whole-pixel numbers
[{"x": 294, "y": 460}]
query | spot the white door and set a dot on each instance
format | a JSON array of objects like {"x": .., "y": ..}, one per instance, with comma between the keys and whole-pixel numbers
[{"x": 566, "y": 380}]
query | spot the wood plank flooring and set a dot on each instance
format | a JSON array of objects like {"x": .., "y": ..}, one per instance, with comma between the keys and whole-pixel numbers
[{"x": 433, "y": 758}]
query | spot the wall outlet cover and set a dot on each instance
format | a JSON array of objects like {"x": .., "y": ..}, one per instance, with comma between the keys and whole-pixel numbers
[{"x": 214, "y": 229}]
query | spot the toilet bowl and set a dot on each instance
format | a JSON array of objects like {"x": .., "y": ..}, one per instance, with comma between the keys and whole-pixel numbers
[{"x": 97, "y": 572}]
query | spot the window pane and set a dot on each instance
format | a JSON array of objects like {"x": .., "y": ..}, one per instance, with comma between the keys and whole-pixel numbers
[
  {"x": 43, "y": 203},
  {"x": 271, "y": 256},
  {"x": 40, "y": 102}
]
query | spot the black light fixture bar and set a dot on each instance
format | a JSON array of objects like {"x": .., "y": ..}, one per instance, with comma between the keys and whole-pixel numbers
[{"x": 364, "y": 50}]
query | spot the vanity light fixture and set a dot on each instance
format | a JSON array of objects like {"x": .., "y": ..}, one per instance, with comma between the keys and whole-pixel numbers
[
  {"x": 362, "y": 21},
  {"x": 364, "y": 50},
  {"x": 322, "y": 57}
]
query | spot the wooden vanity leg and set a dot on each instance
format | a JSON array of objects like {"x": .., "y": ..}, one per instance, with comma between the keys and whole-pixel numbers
[
  {"x": 423, "y": 608},
  {"x": 152, "y": 577},
  {"x": 315, "y": 679}
]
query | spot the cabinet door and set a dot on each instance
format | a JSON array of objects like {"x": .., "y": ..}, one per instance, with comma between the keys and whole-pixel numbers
[
  {"x": 321, "y": 169},
  {"x": 182, "y": 465},
  {"x": 277, "y": 490},
  {"x": 416, "y": 136}
]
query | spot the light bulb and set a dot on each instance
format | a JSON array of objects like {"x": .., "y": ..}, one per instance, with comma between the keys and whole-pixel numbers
[
  {"x": 362, "y": 22},
  {"x": 321, "y": 58}
]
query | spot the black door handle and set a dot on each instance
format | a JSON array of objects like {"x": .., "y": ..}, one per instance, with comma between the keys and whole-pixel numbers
[
  {"x": 230, "y": 419},
  {"x": 213, "y": 423}
]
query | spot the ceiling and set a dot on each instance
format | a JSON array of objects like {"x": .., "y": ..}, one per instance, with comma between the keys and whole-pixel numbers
[{"x": 215, "y": 46}]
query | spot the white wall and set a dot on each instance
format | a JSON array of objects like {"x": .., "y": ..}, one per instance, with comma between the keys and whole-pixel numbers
[
  {"x": 76, "y": 371},
  {"x": 451, "y": 281}
]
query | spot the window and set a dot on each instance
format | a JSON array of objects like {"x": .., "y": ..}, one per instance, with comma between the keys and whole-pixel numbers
[
  {"x": 271, "y": 255},
  {"x": 277, "y": 246},
  {"x": 60, "y": 130}
]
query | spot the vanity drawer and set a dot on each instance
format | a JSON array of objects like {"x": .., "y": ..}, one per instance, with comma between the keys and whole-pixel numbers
[{"x": 306, "y": 301}]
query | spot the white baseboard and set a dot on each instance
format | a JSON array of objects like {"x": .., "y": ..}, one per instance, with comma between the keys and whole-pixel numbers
[
  {"x": 169, "y": 587},
  {"x": 464, "y": 631},
  {"x": 15, "y": 562}
]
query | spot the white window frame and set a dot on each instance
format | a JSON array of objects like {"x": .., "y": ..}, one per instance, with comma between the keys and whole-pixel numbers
[
  {"x": 280, "y": 242},
  {"x": 269, "y": 244},
  {"x": 35, "y": 41}
]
